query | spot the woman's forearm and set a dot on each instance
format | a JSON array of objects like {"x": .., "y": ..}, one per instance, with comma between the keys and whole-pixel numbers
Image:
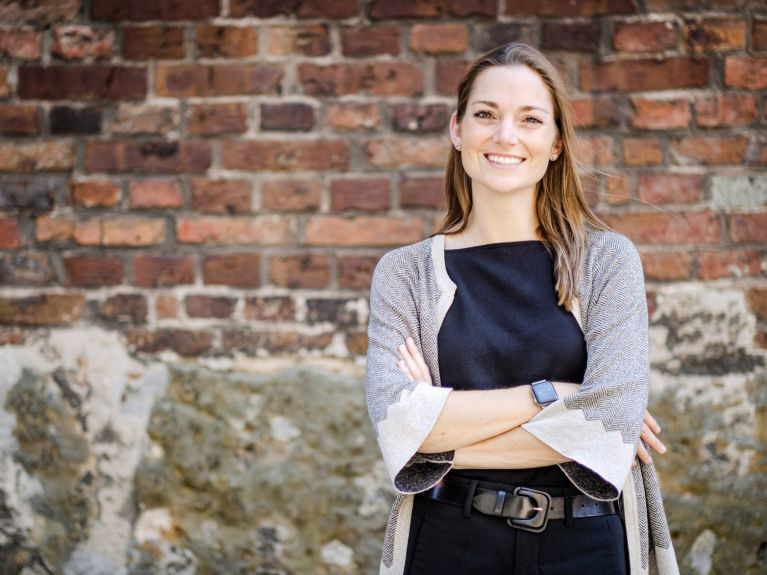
[
  {"x": 514, "y": 449},
  {"x": 473, "y": 416}
]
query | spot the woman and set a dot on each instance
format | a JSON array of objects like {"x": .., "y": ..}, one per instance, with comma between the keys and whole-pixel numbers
[{"x": 507, "y": 366}]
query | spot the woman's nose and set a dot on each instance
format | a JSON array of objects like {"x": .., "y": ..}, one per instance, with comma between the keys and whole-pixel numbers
[{"x": 506, "y": 132}]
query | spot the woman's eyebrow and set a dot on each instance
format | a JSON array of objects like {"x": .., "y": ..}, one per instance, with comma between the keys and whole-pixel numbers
[{"x": 527, "y": 108}]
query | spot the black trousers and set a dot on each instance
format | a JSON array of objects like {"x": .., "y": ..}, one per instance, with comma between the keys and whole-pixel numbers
[{"x": 445, "y": 542}]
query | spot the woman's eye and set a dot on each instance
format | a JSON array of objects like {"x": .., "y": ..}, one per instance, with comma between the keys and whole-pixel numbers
[
  {"x": 533, "y": 120},
  {"x": 483, "y": 114}
]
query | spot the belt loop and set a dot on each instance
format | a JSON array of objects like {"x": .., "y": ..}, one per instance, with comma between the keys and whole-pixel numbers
[
  {"x": 468, "y": 504},
  {"x": 569, "y": 500}
]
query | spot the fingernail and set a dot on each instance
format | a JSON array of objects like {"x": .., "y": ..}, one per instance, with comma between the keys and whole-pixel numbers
[
  {"x": 663, "y": 449},
  {"x": 634, "y": 463}
]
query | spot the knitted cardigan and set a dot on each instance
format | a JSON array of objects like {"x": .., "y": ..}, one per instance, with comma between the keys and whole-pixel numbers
[{"x": 598, "y": 427}]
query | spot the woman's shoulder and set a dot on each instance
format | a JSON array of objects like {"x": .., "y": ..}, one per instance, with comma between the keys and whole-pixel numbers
[
  {"x": 405, "y": 260},
  {"x": 608, "y": 245}
]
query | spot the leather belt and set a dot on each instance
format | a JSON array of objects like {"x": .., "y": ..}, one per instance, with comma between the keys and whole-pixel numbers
[{"x": 523, "y": 507}]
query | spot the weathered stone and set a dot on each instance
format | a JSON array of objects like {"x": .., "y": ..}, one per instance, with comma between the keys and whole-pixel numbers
[
  {"x": 32, "y": 195},
  {"x": 739, "y": 191}
]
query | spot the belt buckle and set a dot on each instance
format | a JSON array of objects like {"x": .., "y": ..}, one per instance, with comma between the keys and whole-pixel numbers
[{"x": 541, "y": 504}]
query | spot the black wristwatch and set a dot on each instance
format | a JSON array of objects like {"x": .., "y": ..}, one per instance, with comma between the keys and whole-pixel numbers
[{"x": 544, "y": 392}]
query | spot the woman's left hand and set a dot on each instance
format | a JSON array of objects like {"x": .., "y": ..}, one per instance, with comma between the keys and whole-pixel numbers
[
  {"x": 650, "y": 429},
  {"x": 412, "y": 363}
]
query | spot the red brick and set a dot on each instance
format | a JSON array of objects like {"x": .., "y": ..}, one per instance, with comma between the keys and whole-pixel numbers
[
  {"x": 75, "y": 120},
  {"x": 367, "y": 194},
  {"x": 82, "y": 82},
  {"x": 117, "y": 10},
  {"x": 670, "y": 188},
  {"x": 148, "y": 157},
  {"x": 599, "y": 112},
  {"x": 238, "y": 270},
  {"x": 166, "y": 306},
  {"x": 373, "y": 78},
  {"x": 645, "y": 36},
  {"x": 16, "y": 120},
  {"x": 420, "y": 118},
  {"x": 722, "y": 110},
  {"x": 5, "y": 89},
  {"x": 449, "y": 74},
  {"x": 209, "y": 306},
  {"x": 10, "y": 235},
  {"x": 124, "y": 231},
  {"x": 184, "y": 342},
  {"x": 363, "y": 42},
  {"x": 307, "y": 40},
  {"x": 284, "y": 155},
  {"x": 124, "y": 308},
  {"x": 355, "y": 272},
  {"x": 41, "y": 12},
  {"x": 213, "y": 119},
  {"x": 571, "y": 36},
  {"x": 423, "y": 192},
  {"x": 596, "y": 151},
  {"x": 145, "y": 119},
  {"x": 93, "y": 271},
  {"x": 353, "y": 116},
  {"x": 714, "y": 34},
  {"x": 278, "y": 343},
  {"x": 43, "y": 309},
  {"x": 14, "y": 338},
  {"x": 301, "y": 8},
  {"x": 363, "y": 230},
  {"x": 439, "y": 38},
  {"x": 618, "y": 190},
  {"x": 357, "y": 343},
  {"x": 682, "y": 228},
  {"x": 21, "y": 44},
  {"x": 749, "y": 72},
  {"x": 159, "y": 270},
  {"x": 226, "y": 41},
  {"x": 202, "y": 80},
  {"x": 401, "y": 152},
  {"x": 709, "y": 150},
  {"x": 287, "y": 116},
  {"x": 95, "y": 194},
  {"x": 50, "y": 229},
  {"x": 88, "y": 232},
  {"x": 757, "y": 301},
  {"x": 748, "y": 228},
  {"x": 82, "y": 42},
  {"x": 486, "y": 36},
  {"x": 37, "y": 156},
  {"x": 256, "y": 230},
  {"x": 644, "y": 74},
  {"x": 642, "y": 152},
  {"x": 759, "y": 34},
  {"x": 692, "y": 5},
  {"x": 311, "y": 271},
  {"x": 25, "y": 268},
  {"x": 667, "y": 266},
  {"x": 221, "y": 196},
  {"x": 332, "y": 310},
  {"x": 270, "y": 308},
  {"x": 714, "y": 265},
  {"x": 291, "y": 195},
  {"x": 155, "y": 42},
  {"x": 380, "y": 9},
  {"x": 564, "y": 8},
  {"x": 651, "y": 114},
  {"x": 155, "y": 194}
]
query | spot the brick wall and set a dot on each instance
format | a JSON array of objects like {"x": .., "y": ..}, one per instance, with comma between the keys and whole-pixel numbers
[{"x": 220, "y": 176}]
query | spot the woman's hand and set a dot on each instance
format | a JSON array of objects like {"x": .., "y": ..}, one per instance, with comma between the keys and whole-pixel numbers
[
  {"x": 412, "y": 363},
  {"x": 650, "y": 428}
]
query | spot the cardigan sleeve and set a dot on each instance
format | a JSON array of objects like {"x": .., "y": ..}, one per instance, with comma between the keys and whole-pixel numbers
[
  {"x": 403, "y": 412},
  {"x": 598, "y": 427}
]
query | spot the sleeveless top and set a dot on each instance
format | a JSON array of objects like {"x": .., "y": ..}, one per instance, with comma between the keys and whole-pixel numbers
[{"x": 505, "y": 329}]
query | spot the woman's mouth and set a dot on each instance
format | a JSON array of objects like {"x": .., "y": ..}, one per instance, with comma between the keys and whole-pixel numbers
[{"x": 503, "y": 160}]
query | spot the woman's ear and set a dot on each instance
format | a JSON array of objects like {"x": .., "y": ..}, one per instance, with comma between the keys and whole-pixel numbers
[
  {"x": 556, "y": 150},
  {"x": 455, "y": 130}
]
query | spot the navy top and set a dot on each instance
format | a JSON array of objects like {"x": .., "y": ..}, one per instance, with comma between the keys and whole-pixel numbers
[{"x": 503, "y": 329}]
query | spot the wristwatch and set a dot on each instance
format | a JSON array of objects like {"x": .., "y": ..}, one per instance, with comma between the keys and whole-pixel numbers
[{"x": 544, "y": 392}]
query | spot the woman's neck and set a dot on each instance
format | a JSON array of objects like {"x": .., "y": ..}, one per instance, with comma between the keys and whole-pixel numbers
[{"x": 498, "y": 218}]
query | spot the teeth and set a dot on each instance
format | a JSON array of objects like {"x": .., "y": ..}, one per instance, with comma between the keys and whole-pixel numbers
[{"x": 504, "y": 159}]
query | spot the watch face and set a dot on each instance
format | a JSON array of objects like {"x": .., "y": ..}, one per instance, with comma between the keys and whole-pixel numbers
[{"x": 544, "y": 392}]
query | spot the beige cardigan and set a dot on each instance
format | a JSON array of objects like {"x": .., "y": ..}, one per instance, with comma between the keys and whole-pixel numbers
[{"x": 598, "y": 427}]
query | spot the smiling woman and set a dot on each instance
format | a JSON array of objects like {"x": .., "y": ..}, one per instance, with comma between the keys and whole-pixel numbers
[{"x": 507, "y": 367}]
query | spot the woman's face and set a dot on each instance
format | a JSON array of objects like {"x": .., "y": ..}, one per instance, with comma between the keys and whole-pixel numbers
[{"x": 508, "y": 134}]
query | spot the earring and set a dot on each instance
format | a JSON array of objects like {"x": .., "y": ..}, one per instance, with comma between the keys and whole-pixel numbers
[
  {"x": 554, "y": 157},
  {"x": 458, "y": 146}
]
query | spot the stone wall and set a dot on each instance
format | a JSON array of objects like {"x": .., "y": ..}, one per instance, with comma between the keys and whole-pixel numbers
[{"x": 193, "y": 195}]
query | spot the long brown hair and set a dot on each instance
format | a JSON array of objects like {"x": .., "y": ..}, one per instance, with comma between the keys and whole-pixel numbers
[{"x": 564, "y": 216}]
